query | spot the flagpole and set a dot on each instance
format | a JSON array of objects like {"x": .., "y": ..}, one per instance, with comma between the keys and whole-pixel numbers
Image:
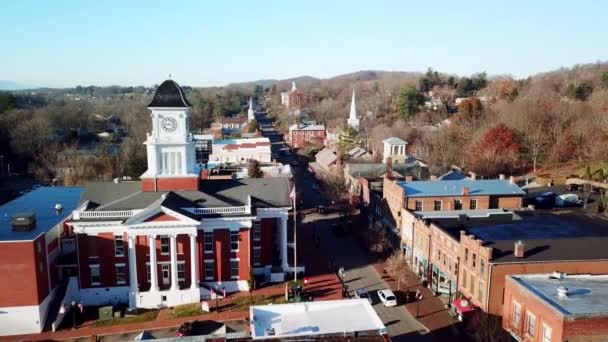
[{"x": 295, "y": 235}]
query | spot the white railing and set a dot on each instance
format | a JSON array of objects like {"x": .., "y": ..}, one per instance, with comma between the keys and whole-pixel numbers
[
  {"x": 85, "y": 214},
  {"x": 246, "y": 209}
]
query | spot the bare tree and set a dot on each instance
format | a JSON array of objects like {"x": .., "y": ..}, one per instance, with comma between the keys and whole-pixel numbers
[{"x": 398, "y": 267}]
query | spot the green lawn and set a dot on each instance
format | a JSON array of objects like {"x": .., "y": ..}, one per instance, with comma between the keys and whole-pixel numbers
[
  {"x": 187, "y": 310},
  {"x": 144, "y": 317},
  {"x": 244, "y": 302}
]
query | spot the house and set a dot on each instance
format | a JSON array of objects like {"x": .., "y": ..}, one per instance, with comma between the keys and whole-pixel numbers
[
  {"x": 304, "y": 134},
  {"x": 556, "y": 306},
  {"x": 322, "y": 320},
  {"x": 35, "y": 256},
  {"x": 228, "y": 125},
  {"x": 395, "y": 149},
  {"x": 477, "y": 249},
  {"x": 295, "y": 98},
  {"x": 326, "y": 158},
  {"x": 240, "y": 151}
]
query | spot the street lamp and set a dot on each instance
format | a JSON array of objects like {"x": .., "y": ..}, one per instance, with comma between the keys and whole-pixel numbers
[
  {"x": 73, "y": 315},
  {"x": 418, "y": 298}
]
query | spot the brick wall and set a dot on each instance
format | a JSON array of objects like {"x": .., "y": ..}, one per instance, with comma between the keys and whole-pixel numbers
[
  {"x": 472, "y": 275},
  {"x": 167, "y": 184},
  {"x": 243, "y": 254},
  {"x": 301, "y": 138},
  {"x": 395, "y": 196},
  {"x": 23, "y": 282},
  {"x": 221, "y": 238}
]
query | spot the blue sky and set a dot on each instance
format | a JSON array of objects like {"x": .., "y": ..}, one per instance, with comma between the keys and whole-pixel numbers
[{"x": 204, "y": 43}]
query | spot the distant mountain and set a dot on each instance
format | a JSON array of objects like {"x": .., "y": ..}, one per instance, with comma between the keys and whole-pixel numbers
[{"x": 11, "y": 85}]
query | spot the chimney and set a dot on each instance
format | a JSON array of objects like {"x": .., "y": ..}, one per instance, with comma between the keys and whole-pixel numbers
[
  {"x": 465, "y": 191},
  {"x": 58, "y": 208},
  {"x": 501, "y": 176},
  {"x": 512, "y": 180},
  {"x": 473, "y": 175},
  {"x": 519, "y": 249},
  {"x": 433, "y": 177},
  {"x": 389, "y": 167}
]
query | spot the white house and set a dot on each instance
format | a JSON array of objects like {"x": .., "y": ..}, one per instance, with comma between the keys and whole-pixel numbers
[
  {"x": 240, "y": 151},
  {"x": 395, "y": 149}
]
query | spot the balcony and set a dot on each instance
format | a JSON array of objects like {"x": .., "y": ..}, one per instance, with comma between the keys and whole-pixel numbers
[{"x": 106, "y": 214}]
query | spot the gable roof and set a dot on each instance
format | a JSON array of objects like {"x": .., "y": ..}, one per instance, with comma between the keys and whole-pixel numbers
[
  {"x": 394, "y": 141},
  {"x": 326, "y": 157},
  {"x": 455, "y": 188},
  {"x": 452, "y": 175}
]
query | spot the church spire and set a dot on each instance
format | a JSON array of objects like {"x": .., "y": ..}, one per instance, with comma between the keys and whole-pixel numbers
[
  {"x": 250, "y": 114},
  {"x": 293, "y": 86},
  {"x": 352, "y": 118}
]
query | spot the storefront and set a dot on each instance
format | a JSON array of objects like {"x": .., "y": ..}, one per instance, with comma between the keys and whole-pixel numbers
[
  {"x": 421, "y": 265},
  {"x": 441, "y": 283}
]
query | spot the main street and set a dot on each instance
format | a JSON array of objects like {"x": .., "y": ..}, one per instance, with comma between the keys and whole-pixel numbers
[{"x": 343, "y": 250}]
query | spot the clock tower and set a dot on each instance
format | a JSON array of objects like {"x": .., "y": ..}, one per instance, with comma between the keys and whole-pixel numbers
[{"x": 170, "y": 148}]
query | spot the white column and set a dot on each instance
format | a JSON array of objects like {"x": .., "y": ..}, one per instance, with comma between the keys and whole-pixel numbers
[
  {"x": 283, "y": 245},
  {"x": 153, "y": 265},
  {"x": 174, "y": 284},
  {"x": 193, "y": 262},
  {"x": 133, "y": 289}
]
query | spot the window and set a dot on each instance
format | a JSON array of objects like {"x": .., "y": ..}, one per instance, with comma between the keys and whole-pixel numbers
[
  {"x": 38, "y": 247},
  {"x": 121, "y": 274},
  {"x": 181, "y": 272},
  {"x": 209, "y": 269},
  {"x": 482, "y": 266},
  {"x": 480, "y": 292},
  {"x": 234, "y": 241},
  {"x": 474, "y": 259},
  {"x": 257, "y": 230},
  {"x": 418, "y": 206},
  {"x": 473, "y": 204},
  {"x": 148, "y": 274},
  {"x": 457, "y": 205},
  {"x": 234, "y": 268},
  {"x": 466, "y": 255},
  {"x": 437, "y": 205},
  {"x": 546, "y": 333},
  {"x": 95, "y": 275},
  {"x": 530, "y": 324},
  {"x": 438, "y": 255},
  {"x": 119, "y": 246},
  {"x": 472, "y": 284},
  {"x": 516, "y": 316},
  {"x": 164, "y": 245},
  {"x": 444, "y": 262},
  {"x": 464, "y": 279},
  {"x": 208, "y": 242},
  {"x": 257, "y": 255}
]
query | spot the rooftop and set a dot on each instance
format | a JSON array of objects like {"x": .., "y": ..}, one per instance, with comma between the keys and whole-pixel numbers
[
  {"x": 394, "y": 141},
  {"x": 307, "y": 127},
  {"x": 570, "y": 234},
  {"x": 315, "y": 318},
  {"x": 264, "y": 192},
  {"x": 411, "y": 167},
  {"x": 483, "y": 187},
  {"x": 42, "y": 202},
  {"x": 587, "y": 294},
  {"x": 170, "y": 95}
]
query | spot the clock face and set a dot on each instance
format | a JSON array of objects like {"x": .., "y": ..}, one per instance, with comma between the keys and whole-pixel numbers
[{"x": 168, "y": 124}]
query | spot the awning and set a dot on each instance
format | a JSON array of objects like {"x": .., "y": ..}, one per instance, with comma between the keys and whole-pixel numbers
[{"x": 463, "y": 306}]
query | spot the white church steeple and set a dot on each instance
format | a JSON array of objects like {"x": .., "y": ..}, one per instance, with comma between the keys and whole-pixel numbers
[
  {"x": 293, "y": 86},
  {"x": 353, "y": 121},
  {"x": 250, "y": 113}
]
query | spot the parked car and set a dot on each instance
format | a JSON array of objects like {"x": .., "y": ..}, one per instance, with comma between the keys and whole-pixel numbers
[
  {"x": 572, "y": 187},
  {"x": 363, "y": 294},
  {"x": 546, "y": 198},
  {"x": 568, "y": 200},
  {"x": 186, "y": 329},
  {"x": 387, "y": 297}
]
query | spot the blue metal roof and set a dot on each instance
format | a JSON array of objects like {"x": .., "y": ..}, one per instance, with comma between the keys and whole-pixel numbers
[
  {"x": 454, "y": 187},
  {"x": 42, "y": 202}
]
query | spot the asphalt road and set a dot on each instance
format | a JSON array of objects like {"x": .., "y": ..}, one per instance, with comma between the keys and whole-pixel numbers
[{"x": 344, "y": 250}]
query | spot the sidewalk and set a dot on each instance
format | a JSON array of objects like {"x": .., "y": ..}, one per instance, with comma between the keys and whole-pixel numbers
[{"x": 433, "y": 314}]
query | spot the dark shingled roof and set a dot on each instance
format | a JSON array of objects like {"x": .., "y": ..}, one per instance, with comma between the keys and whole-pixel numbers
[
  {"x": 264, "y": 192},
  {"x": 170, "y": 95}
]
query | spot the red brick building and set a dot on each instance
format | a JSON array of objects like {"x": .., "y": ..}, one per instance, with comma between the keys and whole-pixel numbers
[
  {"x": 554, "y": 307},
  {"x": 166, "y": 240},
  {"x": 33, "y": 254},
  {"x": 301, "y": 135}
]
